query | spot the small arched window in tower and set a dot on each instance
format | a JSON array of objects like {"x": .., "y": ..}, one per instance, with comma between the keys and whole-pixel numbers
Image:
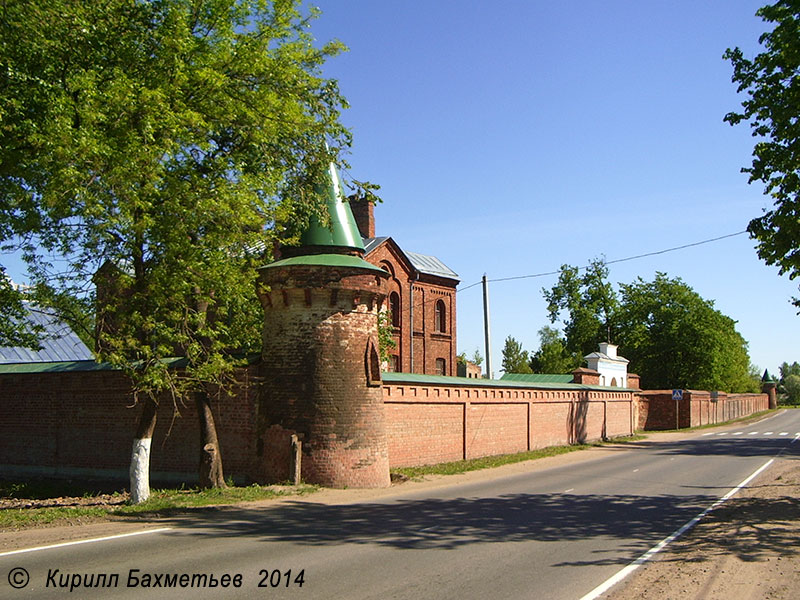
[
  {"x": 373, "y": 364},
  {"x": 441, "y": 366},
  {"x": 439, "y": 317},
  {"x": 394, "y": 308}
]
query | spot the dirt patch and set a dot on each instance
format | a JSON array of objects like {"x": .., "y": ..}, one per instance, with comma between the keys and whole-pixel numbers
[
  {"x": 108, "y": 500},
  {"x": 745, "y": 549}
]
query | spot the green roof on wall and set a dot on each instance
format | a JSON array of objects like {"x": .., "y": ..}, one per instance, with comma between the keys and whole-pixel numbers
[
  {"x": 409, "y": 378},
  {"x": 326, "y": 260}
]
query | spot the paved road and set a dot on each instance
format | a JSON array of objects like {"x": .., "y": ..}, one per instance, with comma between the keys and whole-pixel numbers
[{"x": 543, "y": 533}]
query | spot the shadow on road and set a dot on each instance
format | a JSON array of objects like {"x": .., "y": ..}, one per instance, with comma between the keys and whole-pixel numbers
[
  {"x": 717, "y": 446},
  {"x": 618, "y": 522},
  {"x": 453, "y": 523}
]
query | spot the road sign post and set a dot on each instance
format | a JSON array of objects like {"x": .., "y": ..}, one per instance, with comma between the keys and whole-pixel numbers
[{"x": 677, "y": 395}]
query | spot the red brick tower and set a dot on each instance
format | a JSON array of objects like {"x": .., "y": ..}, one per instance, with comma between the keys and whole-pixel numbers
[{"x": 320, "y": 359}]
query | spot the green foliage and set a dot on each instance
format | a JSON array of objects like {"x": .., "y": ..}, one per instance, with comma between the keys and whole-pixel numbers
[
  {"x": 787, "y": 369},
  {"x": 676, "y": 339},
  {"x": 788, "y": 387},
  {"x": 672, "y": 337},
  {"x": 515, "y": 359},
  {"x": 13, "y": 329},
  {"x": 771, "y": 81},
  {"x": 386, "y": 341},
  {"x": 162, "y": 147},
  {"x": 552, "y": 355},
  {"x": 791, "y": 389},
  {"x": 476, "y": 358},
  {"x": 585, "y": 303}
]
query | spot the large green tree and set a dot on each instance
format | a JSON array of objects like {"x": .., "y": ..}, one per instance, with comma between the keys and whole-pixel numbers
[
  {"x": 515, "y": 359},
  {"x": 771, "y": 82},
  {"x": 671, "y": 335},
  {"x": 676, "y": 339},
  {"x": 158, "y": 148},
  {"x": 585, "y": 303},
  {"x": 789, "y": 384},
  {"x": 552, "y": 355}
]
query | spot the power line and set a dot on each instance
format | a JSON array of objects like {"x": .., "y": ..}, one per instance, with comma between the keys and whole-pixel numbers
[{"x": 611, "y": 262}]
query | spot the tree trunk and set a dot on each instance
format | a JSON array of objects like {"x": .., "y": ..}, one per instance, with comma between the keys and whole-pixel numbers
[
  {"x": 210, "y": 473},
  {"x": 140, "y": 456}
]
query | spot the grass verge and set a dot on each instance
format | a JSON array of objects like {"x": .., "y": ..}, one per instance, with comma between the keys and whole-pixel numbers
[
  {"x": 489, "y": 462},
  {"x": 161, "y": 502}
]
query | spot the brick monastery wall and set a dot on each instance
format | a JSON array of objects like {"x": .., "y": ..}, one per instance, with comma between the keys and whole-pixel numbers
[
  {"x": 81, "y": 423},
  {"x": 430, "y": 422},
  {"x": 658, "y": 411}
]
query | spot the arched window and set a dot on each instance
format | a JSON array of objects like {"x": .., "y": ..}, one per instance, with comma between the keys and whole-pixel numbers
[
  {"x": 441, "y": 366},
  {"x": 394, "y": 308},
  {"x": 440, "y": 317}
]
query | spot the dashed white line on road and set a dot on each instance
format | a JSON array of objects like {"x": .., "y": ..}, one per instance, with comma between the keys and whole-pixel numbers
[
  {"x": 723, "y": 433},
  {"x": 768, "y": 432},
  {"x": 739, "y": 433},
  {"x": 784, "y": 433},
  {"x": 569, "y": 490},
  {"x": 753, "y": 433}
]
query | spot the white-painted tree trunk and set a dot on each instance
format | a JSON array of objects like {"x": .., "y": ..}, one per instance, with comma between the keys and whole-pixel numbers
[{"x": 140, "y": 470}]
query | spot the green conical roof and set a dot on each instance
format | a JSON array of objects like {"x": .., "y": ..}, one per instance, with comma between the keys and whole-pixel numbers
[{"x": 343, "y": 232}]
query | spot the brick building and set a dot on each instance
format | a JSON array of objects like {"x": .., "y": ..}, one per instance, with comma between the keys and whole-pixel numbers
[{"x": 421, "y": 298}]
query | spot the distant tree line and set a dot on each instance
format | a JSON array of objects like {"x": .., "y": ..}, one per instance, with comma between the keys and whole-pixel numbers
[{"x": 672, "y": 337}]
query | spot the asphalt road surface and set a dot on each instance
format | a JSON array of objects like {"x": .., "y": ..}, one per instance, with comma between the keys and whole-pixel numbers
[{"x": 542, "y": 532}]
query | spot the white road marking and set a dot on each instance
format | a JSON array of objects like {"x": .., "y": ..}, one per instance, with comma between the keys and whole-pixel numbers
[
  {"x": 622, "y": 574},
  {"x": 753, "y": 433},
  {"x": 784, "y": 433},
  {"x": 705, "y": 434},
  {"x": 89, "y": 541},
  {"x": 768, "y": 432},
  {"x": 569, "y": 490},
  {"x": 739, "y": 433},
  {"x": 636, "y": 470},
  {"x": 723, "y": 433}
]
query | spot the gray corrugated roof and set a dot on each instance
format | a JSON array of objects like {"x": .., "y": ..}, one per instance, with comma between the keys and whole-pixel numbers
[
  {"x": 421, "y": 262},
  {"x": 371, "y": 243},
  {"x": 431, "y": 265},
  {"x": 59, "y": 343}
]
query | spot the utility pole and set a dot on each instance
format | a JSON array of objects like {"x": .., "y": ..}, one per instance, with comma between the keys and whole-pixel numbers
[{"x": 487, "y": 333}]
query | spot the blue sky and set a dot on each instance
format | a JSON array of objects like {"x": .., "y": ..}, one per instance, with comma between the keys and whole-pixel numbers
[{"x": 510, "y": 137}]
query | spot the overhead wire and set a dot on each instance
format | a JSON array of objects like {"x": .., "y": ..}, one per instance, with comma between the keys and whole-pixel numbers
[{"x": 610, "y": 262}]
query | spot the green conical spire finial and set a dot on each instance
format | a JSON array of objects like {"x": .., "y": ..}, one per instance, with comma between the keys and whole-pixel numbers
[{"x": 343, "y": 231}]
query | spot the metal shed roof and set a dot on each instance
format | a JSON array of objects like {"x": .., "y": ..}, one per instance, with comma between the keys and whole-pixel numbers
[{"x": 59, "y": 343}]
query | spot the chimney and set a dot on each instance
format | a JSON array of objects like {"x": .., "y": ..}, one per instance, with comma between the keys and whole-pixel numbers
[{"x": 364, "y": 214}]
